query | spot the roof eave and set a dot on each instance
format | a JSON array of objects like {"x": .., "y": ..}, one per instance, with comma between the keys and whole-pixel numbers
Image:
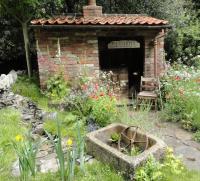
[{"x": 167, "y": 26}]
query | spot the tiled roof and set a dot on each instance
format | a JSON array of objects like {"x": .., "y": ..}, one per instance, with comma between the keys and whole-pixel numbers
[{"x": 101, "y": 20}]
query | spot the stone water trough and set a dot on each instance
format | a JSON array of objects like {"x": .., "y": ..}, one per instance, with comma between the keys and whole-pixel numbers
[{"x": 99, "y": 145}]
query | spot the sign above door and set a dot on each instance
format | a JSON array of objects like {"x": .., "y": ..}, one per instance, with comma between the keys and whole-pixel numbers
[{"x": 123, "y": 44}]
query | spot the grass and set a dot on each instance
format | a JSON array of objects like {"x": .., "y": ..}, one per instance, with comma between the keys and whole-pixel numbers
[
  {"x": 186, "y": 176},
  {"x": 10, "y": 126},
  {"x": 29, "y": 88},
  {"x": 98, "y": 172},
  {"x": 142, "y": 118},
  {"x": 68, "y": 125}
]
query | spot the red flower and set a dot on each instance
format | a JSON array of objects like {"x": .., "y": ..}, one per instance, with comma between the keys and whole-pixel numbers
[
  {"x": 177, "y": 78},
  {"x": 110, "y": 94},
  {"x": 94, "y": 97},
  {"x": 101, "y": 94}
]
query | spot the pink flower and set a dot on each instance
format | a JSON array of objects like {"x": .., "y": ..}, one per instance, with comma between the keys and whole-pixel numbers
[
  {"x": 96, "y": 86},
  {"x": 84, "y": 87}
]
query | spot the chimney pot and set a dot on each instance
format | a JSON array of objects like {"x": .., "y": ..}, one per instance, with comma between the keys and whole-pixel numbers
[
  {"x": 92, "y": 3},
  {"x": 92, "y": 9}
]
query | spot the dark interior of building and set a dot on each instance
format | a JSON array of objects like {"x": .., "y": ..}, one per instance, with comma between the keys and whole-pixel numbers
[{"x": 124, "y": 59}]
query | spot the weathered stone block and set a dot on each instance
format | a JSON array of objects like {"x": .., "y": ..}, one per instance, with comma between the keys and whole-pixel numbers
[{"x": 98, "y": 145}]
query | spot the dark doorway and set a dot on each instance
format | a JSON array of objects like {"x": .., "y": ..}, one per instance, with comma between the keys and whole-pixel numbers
[{"x": 117, "y": 54}]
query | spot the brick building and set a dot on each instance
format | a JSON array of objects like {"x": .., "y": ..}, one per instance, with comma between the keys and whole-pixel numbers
[{"x": 128, "y": 44}]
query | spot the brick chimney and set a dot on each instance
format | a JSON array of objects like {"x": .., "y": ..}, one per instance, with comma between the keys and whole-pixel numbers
[{"x": 92, "y": 9}]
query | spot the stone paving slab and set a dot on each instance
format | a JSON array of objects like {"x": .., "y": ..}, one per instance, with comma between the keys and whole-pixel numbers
[{"x": 182, "y": 142}]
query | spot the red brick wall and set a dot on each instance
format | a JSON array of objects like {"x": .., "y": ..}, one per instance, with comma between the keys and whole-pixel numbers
[
  {"x": 151, "y": 42},
  {"x": 77, "y": 52}
]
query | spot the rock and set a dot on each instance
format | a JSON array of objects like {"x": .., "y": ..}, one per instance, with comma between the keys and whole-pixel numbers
[
  {"x": 87, "y": 158},
  {"x": 15, "y": 169},
  {"x": 4, "y": 82},
  {"x": 91, "y": 125},
  {"x": 21, "y": 72},
  {"x": 7, "y": 80},
  {"x": 27, "y": 117},
  {"x": 39, "y": 130},
  {"x": 49, "y": 164},
  {"x": 51, "y": 115},
  {"x": 13, "y": 74}
]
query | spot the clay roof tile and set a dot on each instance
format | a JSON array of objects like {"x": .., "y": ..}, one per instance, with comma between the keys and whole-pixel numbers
[{"x": 102, "y": 20}]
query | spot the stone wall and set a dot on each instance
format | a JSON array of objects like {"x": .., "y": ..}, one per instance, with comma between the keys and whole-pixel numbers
[{"x": 75, "y": 52}]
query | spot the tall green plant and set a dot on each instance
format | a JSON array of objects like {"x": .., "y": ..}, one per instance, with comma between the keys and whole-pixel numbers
[
  {"x": 58, "y": 148},
  {"x": 26, "y": 150},
  {"x": 67, "y": 166}
]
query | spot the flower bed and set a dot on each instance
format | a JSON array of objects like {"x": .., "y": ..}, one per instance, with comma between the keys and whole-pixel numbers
[{"x": 181, "y": 91}]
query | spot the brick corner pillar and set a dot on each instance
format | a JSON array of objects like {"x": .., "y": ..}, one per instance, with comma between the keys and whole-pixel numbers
[{"x": 149, "y": 57}]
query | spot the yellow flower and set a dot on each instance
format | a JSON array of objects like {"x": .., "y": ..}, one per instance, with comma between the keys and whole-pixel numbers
[
  {"x": 69, "y": 142},
  {"x": 19, "y": 138},
  {"x": 170, "y": 150}
]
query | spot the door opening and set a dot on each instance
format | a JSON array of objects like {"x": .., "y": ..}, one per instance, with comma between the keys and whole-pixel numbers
[{"x": 125, "y": 58}]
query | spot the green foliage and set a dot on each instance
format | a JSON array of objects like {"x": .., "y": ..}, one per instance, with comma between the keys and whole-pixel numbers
[
  {"x": 151, "y": 171},
  {"x": 67, "y": 169},
  {"x": 155, "y": 171},
  {"x": 197, "y": 136},
  {"x": 115, "y": 137},
  {"x": 68, "y": 124},
  {"x": 11, "y": 44},
  {"x": 181, "y": 93},
  {"x": 26, "y": 149},
  {"x": 93, "y": 98},
  {"x": 97, "y": 172},
  {"x": 172, "y": 164},
  {"x": 59, "y": 150},
  {"x": 9, "y": 120},
  {"x": 57, "y": 87},
  {"x": 78, "y": 102},
  {"x": 104, "y": 109},
  {"x": 10, "y": 126},
  {"x": 183, "y": 43},
  {"x": 135, "y": 150},
  {"x": 29, "y": 88}
]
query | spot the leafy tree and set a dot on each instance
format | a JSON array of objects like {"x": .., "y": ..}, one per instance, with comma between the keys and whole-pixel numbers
[
  {"x": 11, "y": 39},
  {"x": 22, "y": 11}
]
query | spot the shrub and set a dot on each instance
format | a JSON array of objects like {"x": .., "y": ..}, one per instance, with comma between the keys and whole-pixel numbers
[
  {"x": 155, "y": 171},
  {"x": 67, "y": 121},
  {"x": 180, "y": 91},
  {"x": 94, "y": 98},
  {"x": 104, "y": 108},
  {"x": 57, "y": 87},
  {"x": 78, "y": 102},
  {"x": 151, "y": 171},
  {"x": 197, "y": 136}
]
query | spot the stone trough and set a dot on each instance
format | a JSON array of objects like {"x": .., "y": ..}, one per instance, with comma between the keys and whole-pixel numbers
[{"x": 98, "y": 145}]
